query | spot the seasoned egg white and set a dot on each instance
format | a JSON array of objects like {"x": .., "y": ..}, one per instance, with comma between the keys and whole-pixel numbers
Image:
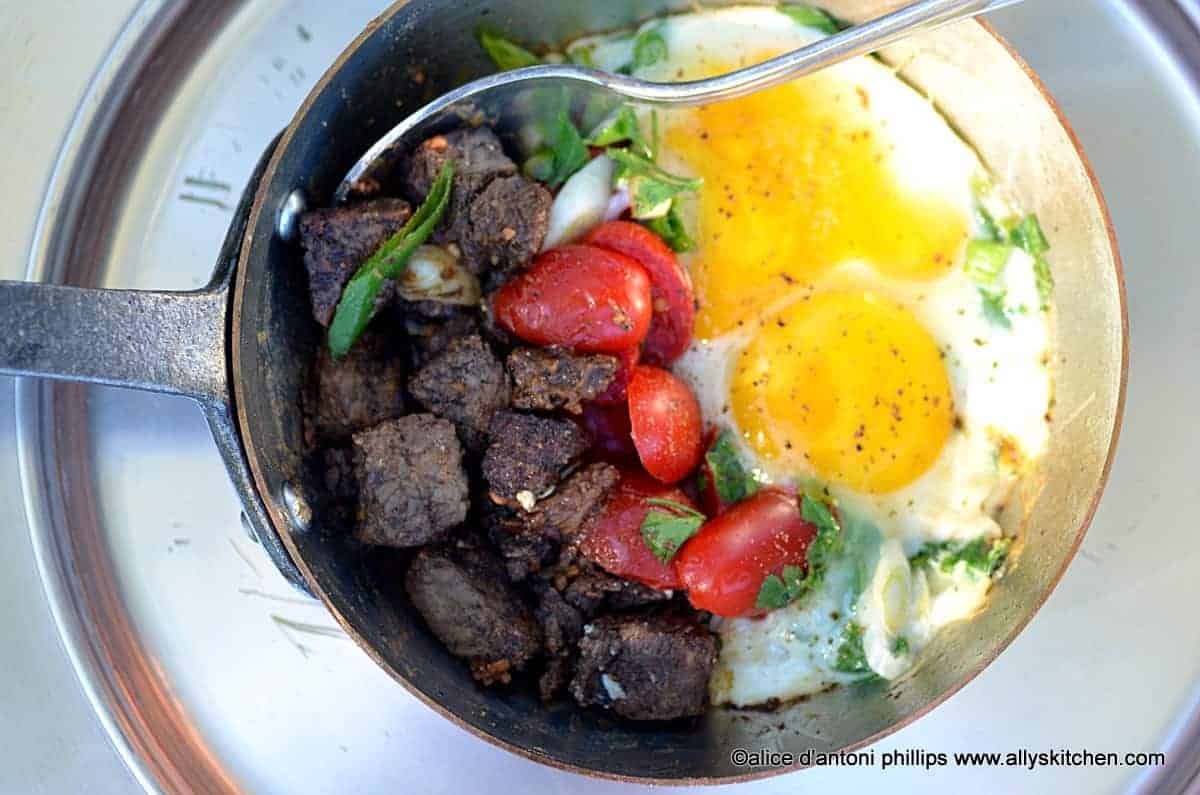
[{"x": 832, "y": 228}]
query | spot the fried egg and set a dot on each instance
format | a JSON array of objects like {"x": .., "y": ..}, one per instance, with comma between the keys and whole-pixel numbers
[{"x": 840, "y": 336}]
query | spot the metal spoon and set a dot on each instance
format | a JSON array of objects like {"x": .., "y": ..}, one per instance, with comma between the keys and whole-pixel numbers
[{"x": 508, "y": 99}]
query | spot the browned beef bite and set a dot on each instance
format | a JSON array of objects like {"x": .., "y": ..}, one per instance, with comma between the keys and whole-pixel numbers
[
  {"x": 461, "y": 592},
  {"x": 363, "y": 388},
  {"x": 427, "y": 337},
  {"x": 526, "y": 454},
  {"x": 465, "y": 384},
  {"x": 411, "y": 481},
  {"x": 562, "y": 627},
  {"x": 339, "y": 239},
  {"x": 645, "y": 667},
  {"x": 478, "y": 159},
  {"x": 506, "y": 225},
  {"x": 591, "y": 589},
  {"x": 545, "y": 379}
]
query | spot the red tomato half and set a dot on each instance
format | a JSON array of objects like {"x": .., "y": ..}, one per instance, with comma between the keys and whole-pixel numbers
[
  {"x": 585, "y": 298},
  {"x": 615, "y": 541},
  {"x": 618, "y": 391},
  {"x": 671, "y": 287},
  {"x": 723, "y": 566},
  {"x": 665, "y": 421}
]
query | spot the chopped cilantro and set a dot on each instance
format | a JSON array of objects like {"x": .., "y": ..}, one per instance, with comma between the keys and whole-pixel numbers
[
  {"x": 730, "y": 478},
  {"x": 651, "y": 189},
  {"x": 665, "y": 531},
  {"x": 568, "y": 151},
  {"x": 851, "y": 657},
  {"x": 811, "y": 17},
  {"x": 622, "y": 127},
  {"x": 900, "y": 646},
  {"x": 505, "y": 53},
  {"x": 993, "y": 307},
  {"x": 671, "y": 229},
  {"x": 983, "y": 556},
  {"x": 795, "y": 582}
]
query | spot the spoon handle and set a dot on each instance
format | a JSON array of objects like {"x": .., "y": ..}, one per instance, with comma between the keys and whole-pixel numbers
[{"x": 861, "y": 39}]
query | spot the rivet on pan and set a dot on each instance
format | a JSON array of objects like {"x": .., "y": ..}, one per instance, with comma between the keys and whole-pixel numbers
[
  {"x": 297, "y": 508},
  {"x": 287, "y": 223},
  {"x": 248, "y": 528}
]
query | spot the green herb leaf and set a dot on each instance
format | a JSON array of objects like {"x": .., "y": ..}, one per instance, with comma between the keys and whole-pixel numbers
[
  {"x": 357, "y": 303},
  {"x": 651, "y": 189},
  {"x": 671, "y": 229},
  {"x": 1044, "y": 279},
  {"x": 506, "y": 54},
  {"x": 648, "y": 48},
  {"x": 732, "y": 481},
  {"x": 993, "y": 307},
  {"x": 622, "y": 127},
  {"x": 539, "y": 165},
  {"x": 851, "y": 657},
  {"x": 796, "y": 582},
  {"x": 983, "y": 556},
  {"x": 776, "y": 592},
  {"x": 900, "y": 646},
  {"x": 1029, "y": 236},
  {"x": 811, "y": 17},
  {"x": 988, "y": 228},
  {"x": 568, "y": 151},
  {"x": 665, "y": 531},
  {"x": 583, "y": 56},
  {"x": 986, "y": 260}
]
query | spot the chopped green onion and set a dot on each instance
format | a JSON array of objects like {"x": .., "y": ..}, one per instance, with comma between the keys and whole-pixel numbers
[
  {"x": 357, "y": 303},
  {"x": 1029, "y": 236},
  {"x": 506, "y": 54},
  {"x": 986, "y": 260},
  {"x": 811, "y": 17},
  {"x": 648, "y": 48}
]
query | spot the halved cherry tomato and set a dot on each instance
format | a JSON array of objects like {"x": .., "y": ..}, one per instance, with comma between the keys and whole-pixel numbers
[
  {"x": 615, "y": 540},
  {"x": 617, "y": 391},
  {"x": 608, "y": 427},
  {"x": 671, "y": 287},
  {"x": 585, "y": 298},
  {"x": 666, "y": 424},
  {"x": 723, "y": 566}
]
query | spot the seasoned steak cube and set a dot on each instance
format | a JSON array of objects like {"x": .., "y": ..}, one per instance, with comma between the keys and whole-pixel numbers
[
  {"x": 545, "y": 379},
  {"x": 526, "y": 454},
  {"x": 555, "y": 677},
  {"x": 562, "y": 626},
  {"x": 506, "y": 224},
  {"x": 645, "y": 667},
  {"x": 427, "y": 337},
  {"x": 465, "y": 384},
  {"x": 523, "y": 548},
  {"x": 411, "y": 481},
  {"x": 591, "y": 588},
  {"x": 363, "y": 388},
  {"x": 461, "y": 592},
  {"x": 478, "y": 159},
  {"x": 339, "y": 239}
]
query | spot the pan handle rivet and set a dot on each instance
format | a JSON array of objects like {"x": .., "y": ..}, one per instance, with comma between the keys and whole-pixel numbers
[
  {"x": 297, "y": 507},
  {"x": 287, "y": 222}
]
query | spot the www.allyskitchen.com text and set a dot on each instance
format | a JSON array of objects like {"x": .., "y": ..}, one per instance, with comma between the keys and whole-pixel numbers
[{"x": 1029, "y": 759}]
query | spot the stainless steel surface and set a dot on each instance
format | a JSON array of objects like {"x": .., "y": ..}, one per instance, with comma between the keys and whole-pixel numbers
[
  {"x": 500, "y": 96},
  {"x": 1121, "y": 620}
]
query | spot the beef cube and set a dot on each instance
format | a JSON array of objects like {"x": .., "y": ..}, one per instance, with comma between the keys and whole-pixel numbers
[
  {"x": 645, "y": 667},
  {"x": 556, "y": 675},
  {"x": 363, "y": 388},
  {"x": 412, "y": 485},
  {"x": 339, "y": 239},
  {"x": 545, "y": 379},
  {"x": 461, "y": 592},
  {"x": 428, "y": 337},
  {"x": 526, "y": 454},
  {"x": 523, "y": 548},
  {"x": 478, "y": 159},
  {"x": 505, "y": 226},
  {"x": 465, "y": 384},
  {"x": 562, "y": 627},
  {"x": 590, "y": 589}
]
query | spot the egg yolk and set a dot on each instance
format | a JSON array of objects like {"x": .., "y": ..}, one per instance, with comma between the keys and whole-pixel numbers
[
  {"x": 797, "y": 179},
  {"x": 849, "y": 384}
]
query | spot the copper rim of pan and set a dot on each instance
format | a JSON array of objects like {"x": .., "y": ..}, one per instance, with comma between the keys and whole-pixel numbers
[{"x": 280, "y": 521}]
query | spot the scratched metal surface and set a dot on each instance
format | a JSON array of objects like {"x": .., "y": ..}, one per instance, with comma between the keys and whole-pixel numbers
[{"x": 267, "y": 688}]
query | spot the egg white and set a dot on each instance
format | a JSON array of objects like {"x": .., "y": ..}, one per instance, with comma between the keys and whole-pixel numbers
[{"x": 1000, "y": 380}]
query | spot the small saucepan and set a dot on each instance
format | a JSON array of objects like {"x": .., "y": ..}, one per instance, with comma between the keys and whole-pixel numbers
[{"x": 243, "y": 346}]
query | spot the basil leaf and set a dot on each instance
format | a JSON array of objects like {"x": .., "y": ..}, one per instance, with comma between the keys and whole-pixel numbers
[
  {"x": 504, "y": 53},
  {"x": 665, "y": 531},
  {"x": 851, "y": 657},
  {"x": 671, "y": 229},
  {"x": 811, "y": 17},
  {"x": 356, "y": 306},
  {"x": 622, "y": 127},
  {"x": 648, "y": 48},
  {"x": 986, "y": 260},
  {"x": 568, "y": 151},
  {"x": 993, "y": 307},
  {"x": 731, "y": 479}
]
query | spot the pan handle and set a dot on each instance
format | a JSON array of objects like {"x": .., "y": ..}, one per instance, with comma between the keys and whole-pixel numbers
[{"x": 170, "y": 342}]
